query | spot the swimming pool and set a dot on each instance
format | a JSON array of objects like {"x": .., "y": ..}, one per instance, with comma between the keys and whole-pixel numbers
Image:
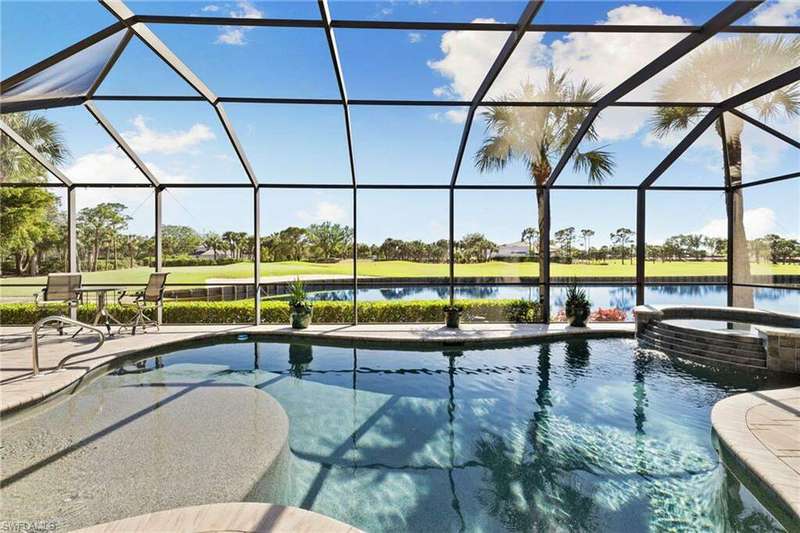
[{"x": 560, "y": 436}]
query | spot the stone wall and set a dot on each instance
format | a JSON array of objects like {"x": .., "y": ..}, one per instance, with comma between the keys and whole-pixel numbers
[{"x": 783, "y": 348}]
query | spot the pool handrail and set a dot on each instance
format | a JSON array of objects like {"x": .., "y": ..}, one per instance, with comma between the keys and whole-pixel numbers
[{"x": 64, "y": 320}]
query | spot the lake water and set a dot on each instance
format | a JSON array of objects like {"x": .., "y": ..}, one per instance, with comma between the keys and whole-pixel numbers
[{"x": 619, "y": 297}]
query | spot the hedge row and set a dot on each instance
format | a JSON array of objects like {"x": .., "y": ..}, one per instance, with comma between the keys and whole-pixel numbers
[
  {"x": 276, "y": 312},
  {"x": 189, "y": 261}
]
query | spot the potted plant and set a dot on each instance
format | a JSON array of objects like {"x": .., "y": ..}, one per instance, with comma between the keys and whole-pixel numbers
[
  {"x": 577, "y": 307},
  {"x": 300, "y": 307},
  {"x": 453, "y": 315},
  {"x": 300, "y": 356}
]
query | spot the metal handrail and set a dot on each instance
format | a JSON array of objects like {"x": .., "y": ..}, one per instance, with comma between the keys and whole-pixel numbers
[{"x": 64, "y": 320}]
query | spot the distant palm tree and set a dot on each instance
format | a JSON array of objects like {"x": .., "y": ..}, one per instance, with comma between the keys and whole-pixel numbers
[
  {"x": 214, "y": 243},
  {"x": 44, "y": 135},
  {"x": 530, "y": 235},
  {"x": 707, "y": 76},
  {"x": 133, "y": 245},
  {"x": 587, "y": 235},
  {"x": 538, "y": 136}
]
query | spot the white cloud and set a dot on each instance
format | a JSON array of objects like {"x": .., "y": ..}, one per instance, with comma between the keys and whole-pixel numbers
[
  {"x": 246, "y": 10},
  {"x": 146, "y": 140},
  {"x": 110, "y": 165},
  {"x": 323, "y": 212},
  {"x": 469, "y": 54},
  {"x": 456, "y": 116},
  {"x": 757, "y": 223},
  {"x": 414, "y": 37},
  {"x": 236, "y": 35},
  {"x": 231, "y": 35},
  {"x": 606, "y": 59},
  {"x": 780, "y": 13},
  {"x": 103, "y": 166},
  {"x": 616, "y": 123},
  {"x": 210, "y": 8},
  {"x": 443, "y": 91},
  {"x": 764, "y": 155}
]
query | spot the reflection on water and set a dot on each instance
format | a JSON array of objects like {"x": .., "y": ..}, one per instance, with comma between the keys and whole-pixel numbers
[
  {"x": 619, "y": 297},
  {"x": 585, "y": 435}
]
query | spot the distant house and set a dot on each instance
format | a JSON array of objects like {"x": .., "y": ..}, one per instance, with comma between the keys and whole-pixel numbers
[
  {"x": 512, "y": 249},
  {"x": 203, "y": 252}
]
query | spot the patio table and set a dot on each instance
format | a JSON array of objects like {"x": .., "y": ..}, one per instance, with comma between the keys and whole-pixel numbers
[{"x": 102, "y": 304}]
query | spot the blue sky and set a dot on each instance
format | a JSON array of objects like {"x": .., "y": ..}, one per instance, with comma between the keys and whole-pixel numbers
[{"x": 184, "y": 142}]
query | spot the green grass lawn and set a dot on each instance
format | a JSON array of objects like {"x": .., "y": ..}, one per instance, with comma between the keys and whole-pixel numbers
[{"x": 393, "y": 269}]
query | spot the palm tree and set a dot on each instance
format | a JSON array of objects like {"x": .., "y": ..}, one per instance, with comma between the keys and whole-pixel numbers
[
  {"x": 538, "y": 136},
  {"x": 214, "y": 243},
  {"x": 44, "y": 135},
  {"x": 133, "y": 245},
  {"x": 26, "y": 214},
  {"x": 707, "y": 76},
  {"x": 621, "y": 238},
  {"x": 530, "y": 235},
  {"x": 587, "y": 235}
]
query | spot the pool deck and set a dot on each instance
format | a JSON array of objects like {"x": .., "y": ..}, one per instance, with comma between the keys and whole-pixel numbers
[
  {"x": 19, "y": 389},
  {"x": 761, "y": 431}
]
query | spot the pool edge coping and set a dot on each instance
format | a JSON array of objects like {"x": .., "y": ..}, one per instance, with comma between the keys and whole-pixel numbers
[{"x": 759, "y": 464}]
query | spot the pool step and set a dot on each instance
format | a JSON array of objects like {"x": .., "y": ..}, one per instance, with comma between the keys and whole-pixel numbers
[
  {"x": 695, "y": 342},
  {"x": 643, "y": 343},
  {"x": 705, "y": 345},
  {"x": 733, "y": 338}
]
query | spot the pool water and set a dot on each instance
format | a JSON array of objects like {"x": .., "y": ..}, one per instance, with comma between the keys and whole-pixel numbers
[{"x": 582, "y": 435}]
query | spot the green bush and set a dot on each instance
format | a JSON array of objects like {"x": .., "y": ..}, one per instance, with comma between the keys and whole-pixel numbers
[
  {"x": 188, "y": 261},
  {"x": 277, "y": 312},
  {"x": 29, "y": 313},
  {"x": 235, "y": 312}
]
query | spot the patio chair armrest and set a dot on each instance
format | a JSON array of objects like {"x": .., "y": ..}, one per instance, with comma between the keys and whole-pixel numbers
[{"x": 135, "y": 297}]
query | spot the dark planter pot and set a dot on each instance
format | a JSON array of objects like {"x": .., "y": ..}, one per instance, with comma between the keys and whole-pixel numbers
[
  {"x": 578, "y": 318},
  {"x": 453, "y": 318},
  {"x": 301, "y": 354},
  {"x": 301, "y": 319}
]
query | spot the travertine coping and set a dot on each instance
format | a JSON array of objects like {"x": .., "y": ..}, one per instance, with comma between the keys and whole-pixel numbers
[
  {"x": 761, "y": 430},
  {"x": 255, "y": 517},
  {"x": 643, "y": 314},
  {"x": 19, "y": 389}
]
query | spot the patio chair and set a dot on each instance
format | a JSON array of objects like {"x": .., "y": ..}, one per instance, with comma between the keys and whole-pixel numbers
[
  {"x": 153, "y": 294},
  {"x": 63, "y": 289}
]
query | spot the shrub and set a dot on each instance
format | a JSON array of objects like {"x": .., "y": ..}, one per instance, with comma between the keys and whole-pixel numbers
[
  {"x": 522, "y": 311},
  {"x": 277, "y": 312},
  {"x": 188, "y": 260},
  {"x": 29, "y": 313}
]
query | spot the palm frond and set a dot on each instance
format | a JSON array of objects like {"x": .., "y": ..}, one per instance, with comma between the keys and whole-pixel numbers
[
  {"x": 669, "y": 119},
  {"x": 598, "y": 164},
  {"x": 785, "y": 101},
  {"x": 494, "y": 154}
]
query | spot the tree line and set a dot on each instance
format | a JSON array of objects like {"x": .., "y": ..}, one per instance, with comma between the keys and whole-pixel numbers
[{"x": 35, "y": 234}]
